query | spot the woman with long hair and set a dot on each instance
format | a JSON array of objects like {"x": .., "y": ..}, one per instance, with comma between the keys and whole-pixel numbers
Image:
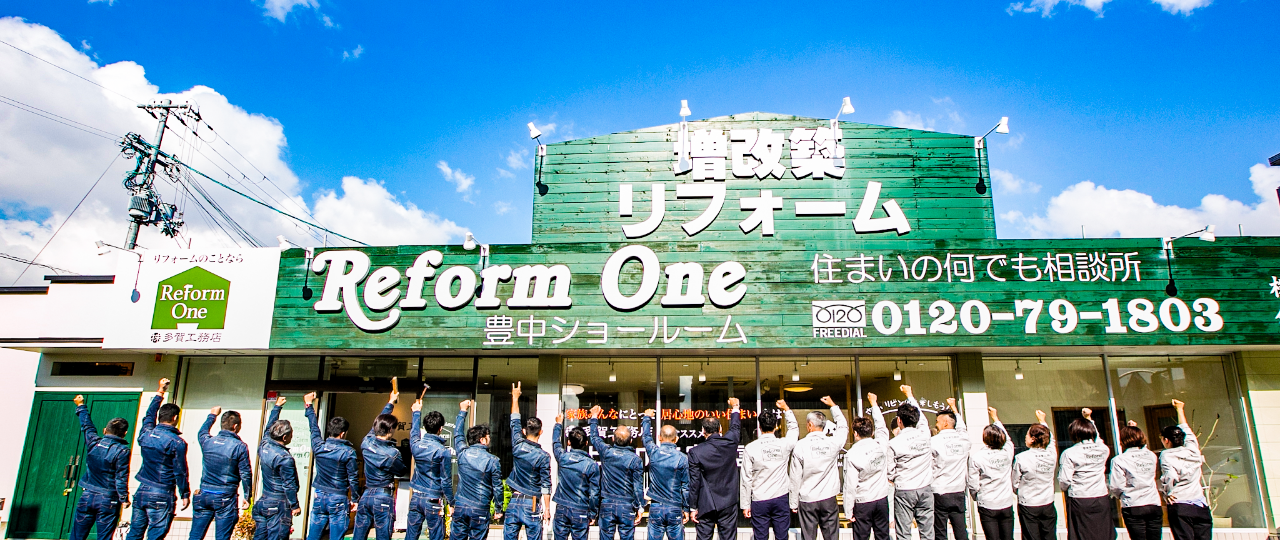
[
  {"x": 1180, "y": 469},
  {"x": 1082, "y": 476},
  {"x": 1133, "y": 480},
  {"x": 991, "y": 480},
  {"x": 1033, "y": 481}
]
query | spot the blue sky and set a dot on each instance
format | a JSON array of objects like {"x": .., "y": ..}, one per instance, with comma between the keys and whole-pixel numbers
[{"x": 1174, "y": 100}]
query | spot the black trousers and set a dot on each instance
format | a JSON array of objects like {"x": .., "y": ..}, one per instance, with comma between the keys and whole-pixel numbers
[
  {"x": 948, "y": 508},
  {"x": 725, "y": 519},
  {"x": 997, "y": 524},
  {"x": 821, "y": 515},
  {"x": 1038, "y": 522},
  {"x": 1143, "y": 522},
  {"x": 1090, "y": 519},
  {"x": 871, "y": 516},
  {"x": 1190, "y": 522}
]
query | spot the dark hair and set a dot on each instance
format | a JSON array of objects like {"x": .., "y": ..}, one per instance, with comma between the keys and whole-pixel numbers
[
  {"x": 1176, "y": 436},
  {"x": 281, "y": 430},
  {"x": 578, "y": 439},
  {"x": 168, "y": 412},
  {"x": 432, "y": 422},
  {"x": 230, "y": 420},
  {"x": 710, "y": 426},
  {"x": 768, "y": 423},
  {"x": 993, "y": 437},
  {"x": 1040, "y": 436},
  {"x": 863, "y": 427},
  {"x": 533, "y": 426},
  {"x": 1132, "y": 437},
  {"x": 337, "y": 426},
  {"x": 948, "y": 413},
  {"x": 909, "y": 415},
  {"x": 384, "y": 424},
  {"x": 1082, "y": 430},
  {"x": 476, "y": 433},
  {"x": 118, "y": 427}
]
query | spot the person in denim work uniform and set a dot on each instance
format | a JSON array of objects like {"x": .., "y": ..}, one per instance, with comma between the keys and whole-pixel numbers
[
  {"x": 273, "y": 513},
  {"x": 668, "y": 481},
  {"x": 335, "y": 462},
  {"x": 530, "y": 478},
  {"x": 622, "y": 480},
  {"x": 106, "y": 476},
  {"x": 578, "y": 492},
  {"x": 432, "y": 476},
  {"x": 226, "y": 465},
  {"x": 479, "y": 480},
  {"x": 164, "y": 469},
  {"x": 382, "y": 464}
]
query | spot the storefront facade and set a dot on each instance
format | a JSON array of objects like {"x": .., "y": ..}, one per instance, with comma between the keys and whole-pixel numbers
[{"x": 756, "y": 256}]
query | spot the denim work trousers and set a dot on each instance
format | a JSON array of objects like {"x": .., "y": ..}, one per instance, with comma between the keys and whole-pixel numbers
[
  {"x": 152, "y": 513},
  {"x": 331, "y": 511},
  {"x": 470, "y": 522},
  {"x": 95, "y": 508},
  {"x": 377, "y": 511},
  {"x": 216, "y": 508},
  {"x": 617, "y": 516},
  {"x": 520, "y": 513},
  {"x": 666, "y": 522},
  {"x": 425, "y": 510},
  {"x": 570, "y": 520},
  {"x": 272, "y": 519}
]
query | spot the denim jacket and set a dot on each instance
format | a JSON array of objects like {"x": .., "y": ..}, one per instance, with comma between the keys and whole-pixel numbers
[
  {"x": 226, "y": 461},
  {"x": 279, "y": 472},
  {"x": 579, "y": 485},
  {"x": 335, "y": 461},
  {"x": 479, "y": 472},
  {"x": 164, "y": 454},
  {"x": 107, "y": 460},
  {"x": 622, "y": 476},
  {"x": 531, "y": 474},
  {"x": 433, "y": 462},
  {"x": 668, "y": 469},
  {"x": 382, "y": 460}
]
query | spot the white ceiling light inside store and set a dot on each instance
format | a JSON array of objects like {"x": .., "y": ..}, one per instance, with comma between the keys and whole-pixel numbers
[
  {"x": 795, "y": 373},
  {"x": 1017, "y": 371},
  {"x": 702, "y": 374},
  {"x": 897, "y": 373}
]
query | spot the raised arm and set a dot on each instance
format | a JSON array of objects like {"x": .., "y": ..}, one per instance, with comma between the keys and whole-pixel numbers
[
  {"x": 91, "y": 436},
  {"x": 842, "y": 426},
  {"x": 313, "y": 423},
  {"x": 960, "y": 425},
  {"x": 1088, "y": 415},
  {"x": 1053, "y": 443},
  {"x": 149, "y": 419},
  {"x": 517, "y": 434},
  {"x": 793, "y": 427},
  {"x": 995, "y": 421},
  {"x": 877, "y": 418},
  {"x": 735, "y": 421},
  {"x": 1190, "y": 441},
  {"x": 415, "y": 429},
  {"x": 557, "y": 438},
  {"x": 272, "y": 417},
  {"x": 386, "y": 409},
  {"x": 646, "y": 433},
  {"x": 202, "y": 436},
  {"x": 593, "y": 431},
  {"x": 911, "y": 397},
  {"x": 460, "y": 427}
]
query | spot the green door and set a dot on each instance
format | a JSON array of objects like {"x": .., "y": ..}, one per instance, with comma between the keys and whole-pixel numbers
[{"x": 53, "y": 460}]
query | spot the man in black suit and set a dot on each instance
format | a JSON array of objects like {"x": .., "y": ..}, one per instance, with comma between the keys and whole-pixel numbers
[{"x": 713, "y": 478}]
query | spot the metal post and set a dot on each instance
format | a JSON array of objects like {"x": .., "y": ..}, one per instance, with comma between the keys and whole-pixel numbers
[
  {"x": 857, "y": 382},
  {"x": 657, "y": 401},
  {"x": 1111, "y": 406},
  {"x": 759, "y": 398}
]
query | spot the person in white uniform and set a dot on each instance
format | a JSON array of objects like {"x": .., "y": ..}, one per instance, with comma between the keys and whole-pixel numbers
[
  {"x": 950, "y": 463},
  {"x": 1133, "y": 481},
  {"x": 815, "y": 480},
  {"x": 1180, "y": 469},
  {"x": 991, "y": 480},
  {"x": 866, "y": 483},
  {"x": 765, "y": 483},
  {"x": 911, "y": 473},
  {"x": 1082, "y": 475},
  {"x": 1033, "y": 481}
]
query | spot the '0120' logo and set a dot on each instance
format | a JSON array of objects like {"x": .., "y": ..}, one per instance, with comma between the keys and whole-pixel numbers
[{"x": 839, "y": 318}]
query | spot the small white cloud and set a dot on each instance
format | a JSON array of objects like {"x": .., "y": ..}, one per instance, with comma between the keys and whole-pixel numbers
[
  {"x": 505, "y": 173},
  {"x": 1182, "y": 7},
  {"x": 1045, "y": 7},
  {"x": 909, "y": 120},
  {"x": 368, "y": 212},
  {"x": 1012, "y": 142},
  {"x": 501, "y": 207},
  {"x": 279, "y": 9},
  {"x": 461, "y": 180},
  {"x": 1007, "y": 182},
  {"x": 109, "y": 2},
  {"x": 353, "y": 53},
  {"x": 84, "y": 45},
  {"x": 328, "y": 23},
  {"x": 518, "y": 160}
]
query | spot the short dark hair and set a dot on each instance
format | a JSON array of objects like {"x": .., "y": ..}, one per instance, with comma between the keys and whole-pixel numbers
[
  {"x": 1132, "y": 437},
  {"x": 281, "y": 430},
  {"x": 863, "y": 427},
  {"x": 1040, "y": 436},
  {"x": 1176, "y": 436},
  {"x": 908, "y": 414},
  {"x": 432, "y": 422},
  {"x": 230, "y": 420},
  {"x": 384, "y": 424},
  {"x": 948, "y": 413},
  {"x": 337, "y": 426},
  {"x": 768, "y": 423},
  {"x": 118, "y": 427},
  {"x": 1082, "y": 430},
  {"x": 710, "y": 426},
  {"x": 533, "y": 426},
  {"x": 168, "y": 412},
  {"x": 578, "y": 439},
  {"x": 476, "y": 433},
  {"x": 993, "y": 437}
]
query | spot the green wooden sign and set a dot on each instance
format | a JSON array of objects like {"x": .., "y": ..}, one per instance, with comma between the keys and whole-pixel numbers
[{"x": 765, "y": 231}]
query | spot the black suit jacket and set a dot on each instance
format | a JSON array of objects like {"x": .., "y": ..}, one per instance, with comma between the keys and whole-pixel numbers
[{"x": 713, "y": 471}]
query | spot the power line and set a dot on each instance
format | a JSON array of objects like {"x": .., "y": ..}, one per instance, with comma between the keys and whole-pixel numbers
[
  {"x": 31, "y": 263},
  {"x": 64, "y": 222},
  {"x": 69, "y": 72},
  {"x": 29, "y": 106},
  {"x": 50, "y": 116}
]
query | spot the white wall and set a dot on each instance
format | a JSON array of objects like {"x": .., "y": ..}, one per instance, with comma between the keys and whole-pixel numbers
[{"x": 16, "y": 394}]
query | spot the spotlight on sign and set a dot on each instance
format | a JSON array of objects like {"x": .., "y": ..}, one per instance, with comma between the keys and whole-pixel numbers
[
  {"x": 684, "y": 108},
  {"x": 469, "y": 243},
  {"x": 533, "y": 131},
  {"x": 980, "y": 144}
]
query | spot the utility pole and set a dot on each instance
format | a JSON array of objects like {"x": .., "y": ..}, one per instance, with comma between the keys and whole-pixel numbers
[{"x": 145, "y": 205}]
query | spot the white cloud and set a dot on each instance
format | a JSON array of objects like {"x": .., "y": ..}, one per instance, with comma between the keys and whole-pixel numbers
[
  {"x": 1127, "y": 213},
  {"x": 1184, "y": 7},
  {"x": 1007, "y": 182},
  {"x": 518, "y": 160},
  {"x": 279, "y": 9},
  {"x": 1045, "y": 7},
  {"x": 328, "y": 23},
  {"x": 501, "y": 207},
  {"x": 368, "y": 212},
  {"x": 462, "y": 180},
  {"x": 909, "y": 120},
  {"x": 109, "y": 2},
  {"x": 1012, "y": 142},
  {"x": 353, "y": 53},
  {"x": 505, "y": 173}
]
